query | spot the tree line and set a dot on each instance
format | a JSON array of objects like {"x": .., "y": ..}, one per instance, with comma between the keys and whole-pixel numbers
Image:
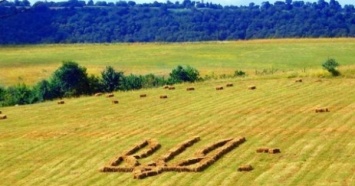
[
  {"x": 76, "y": 21},
  {"x": 72, "y": 80}
]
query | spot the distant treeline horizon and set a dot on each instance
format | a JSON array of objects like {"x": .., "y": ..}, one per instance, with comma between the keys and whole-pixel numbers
[{"x": 76, "y": 21}]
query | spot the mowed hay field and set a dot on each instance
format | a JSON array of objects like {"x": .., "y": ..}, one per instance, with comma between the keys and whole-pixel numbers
[
  {"x": 291, "y": 57},
  {"x": 51, "y": 144}
]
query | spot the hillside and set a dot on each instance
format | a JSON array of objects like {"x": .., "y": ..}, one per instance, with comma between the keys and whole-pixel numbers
[
  {"x": 284, "y": 57},
  {"x": 74, "y": 21},
  {"x": 50, "y": 144}
]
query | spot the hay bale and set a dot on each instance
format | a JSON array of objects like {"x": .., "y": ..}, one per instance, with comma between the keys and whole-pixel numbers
[
  {"x": 98, "y": 94},
  {"x": 245, "y": 168},
  {"x": 143, "y": 95},
  {"x": 219, "y": 88},
  {"x": 262, "y": 150},
  {"x": 230, "y": 85},
  {"x": 322, "y": 110},
  {"x": 164, "y": 97},
  {"x": 61, "y": 102},
  {"x": 115, "y": 101},
  {"x": 110, "y": 95},
  {"x": 171, "y": 88},
  {"x": 298, "y": 80},
  {"x": 274, "y": 151},
  {"x": 190, "y": 89},
  {"x": 166, "y": 87},
  {"x": 0, "y": 112},
  {"x": 3, "y": 117},
  {"x": 253, "y": 87}
]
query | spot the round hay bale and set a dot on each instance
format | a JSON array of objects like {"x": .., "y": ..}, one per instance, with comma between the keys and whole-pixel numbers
[
  {"x": 230, "y": 85},
  {"x": 190, "y": 89},
  {"x": 3, "y": 117},
  {"x": 0, "y": 112},
  {"x": 143, "y": 95},
  {"x": 164, "y": 97},
  {"x": 61, "y": 102},
  {"x": 171, "y": 88},
  {"x": 115, "y": 101},
  {"x": 166, "y": 87},
  {"x": 219, "y": 88}
]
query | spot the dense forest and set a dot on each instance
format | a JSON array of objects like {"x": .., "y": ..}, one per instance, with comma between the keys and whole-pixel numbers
[{"x": 76, "y": 21}]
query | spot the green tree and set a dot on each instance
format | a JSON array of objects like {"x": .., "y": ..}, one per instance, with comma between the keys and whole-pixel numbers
[
  {"x": 331, "y": 66},
  {"x": 71, "y": 79},
  {"x": 111, "y": 80}
]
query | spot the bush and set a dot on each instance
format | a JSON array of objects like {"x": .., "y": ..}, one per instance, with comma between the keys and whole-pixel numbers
[
  {"x": 132, "y": 82},
  {"x": 70, "y": 80},
  {"x": 180, "y": 74},
  {"x": 111, "y": 80},
  {"x": 19, "y": 94},
  {"x": 150, "y": 80},
  {"x": 331, "y": 66}
]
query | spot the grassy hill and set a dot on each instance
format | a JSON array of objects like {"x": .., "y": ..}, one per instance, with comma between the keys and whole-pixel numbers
[
  {"x": 50, "y": 144},
  {"x": 291, "y": 58}
]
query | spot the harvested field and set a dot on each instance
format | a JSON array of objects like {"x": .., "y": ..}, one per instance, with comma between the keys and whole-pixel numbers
[{"x": 43, "y": 144}]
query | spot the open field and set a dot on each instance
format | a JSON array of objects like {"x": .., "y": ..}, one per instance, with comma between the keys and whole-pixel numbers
[
  {"x": 291, "y": 57},
  {"x": 50, "y": 144}
]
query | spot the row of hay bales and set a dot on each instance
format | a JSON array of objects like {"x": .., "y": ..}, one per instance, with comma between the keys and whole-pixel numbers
[
  {"x": 268, "y": 150},
  {"x": 179, "y": 149},
  {"x": 130, "y": 159}
]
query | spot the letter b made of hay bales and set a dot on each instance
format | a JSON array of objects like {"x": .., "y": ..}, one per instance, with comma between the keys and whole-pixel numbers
[{"x": 128, "y": 161}]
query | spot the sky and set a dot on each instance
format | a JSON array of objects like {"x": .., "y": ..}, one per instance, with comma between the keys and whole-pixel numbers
[{"x": 222, "y": 2}]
